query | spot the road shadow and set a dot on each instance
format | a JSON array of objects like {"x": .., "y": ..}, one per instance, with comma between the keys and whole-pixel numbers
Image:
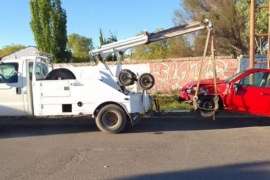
[
  {"x": 244, "y": 171},
  {"x": 23, "y": 127},
  {"x": 195, "y": 122}
]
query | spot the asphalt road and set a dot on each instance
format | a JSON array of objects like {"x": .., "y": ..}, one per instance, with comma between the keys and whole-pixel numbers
[{"x": 182, "y": 146}]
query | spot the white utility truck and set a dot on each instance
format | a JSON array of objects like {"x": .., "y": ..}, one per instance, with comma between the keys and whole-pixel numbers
[{"x": 30, "y": 86}]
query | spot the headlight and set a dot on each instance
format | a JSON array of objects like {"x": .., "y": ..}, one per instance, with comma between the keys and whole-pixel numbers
[{"x": 190, "y": 91}]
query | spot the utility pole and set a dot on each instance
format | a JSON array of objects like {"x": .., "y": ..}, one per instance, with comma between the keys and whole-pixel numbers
[{"x": 252, "y": 35}]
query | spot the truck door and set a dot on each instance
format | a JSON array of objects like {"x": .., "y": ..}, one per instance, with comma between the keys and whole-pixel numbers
[
  {"x": 252, "y": 95},
  {"x": 11, "y": 101}
]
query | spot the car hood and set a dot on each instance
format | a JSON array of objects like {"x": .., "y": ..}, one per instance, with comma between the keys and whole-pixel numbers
[{"x": 209, "y": 81}]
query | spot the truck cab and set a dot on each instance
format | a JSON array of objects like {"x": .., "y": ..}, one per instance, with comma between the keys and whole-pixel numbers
[{"x": 15, "y": 85}]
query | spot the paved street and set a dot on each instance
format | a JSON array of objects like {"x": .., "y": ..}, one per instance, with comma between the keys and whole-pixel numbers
[{"x": 183, "y": 146}]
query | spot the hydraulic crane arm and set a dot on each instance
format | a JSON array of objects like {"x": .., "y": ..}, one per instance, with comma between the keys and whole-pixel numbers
[
  {"x": 179, "y": 30},
  {"x": 146, "y": 38}
]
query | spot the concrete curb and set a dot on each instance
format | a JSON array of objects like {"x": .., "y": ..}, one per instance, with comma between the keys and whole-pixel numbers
[
  {"x": 194, "y": 114},
  {"x": 177, "y": 111}
]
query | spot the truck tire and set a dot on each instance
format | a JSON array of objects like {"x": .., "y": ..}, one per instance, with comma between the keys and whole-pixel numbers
[
  {"x": 146, "y": 81},
  {"x": 111, "y": 119},
  {"x": 126, "y": 77},
  {"x": 60, "y": 73},
  {"x": 206, "y": 106}
]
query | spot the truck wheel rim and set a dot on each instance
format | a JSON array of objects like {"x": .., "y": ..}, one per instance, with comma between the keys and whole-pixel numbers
[{"x": 110, "y": 119}]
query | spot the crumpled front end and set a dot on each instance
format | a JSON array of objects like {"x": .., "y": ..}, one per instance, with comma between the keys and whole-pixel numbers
[{"x": 187, "y": 94}]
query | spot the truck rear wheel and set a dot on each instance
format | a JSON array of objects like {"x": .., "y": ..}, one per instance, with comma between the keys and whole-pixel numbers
[
  {"x": 111, "y": 119},
  {"x": 60, "y": 73}
]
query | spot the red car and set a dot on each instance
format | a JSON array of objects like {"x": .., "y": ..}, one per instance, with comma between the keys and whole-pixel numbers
[{"x": 247, "y": 91}]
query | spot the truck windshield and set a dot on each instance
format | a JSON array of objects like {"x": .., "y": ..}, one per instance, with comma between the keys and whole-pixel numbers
[{"x": 8, "y": 72}]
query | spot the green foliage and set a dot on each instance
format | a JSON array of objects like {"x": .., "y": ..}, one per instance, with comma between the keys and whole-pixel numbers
[
  {"x": 101, "y": 38},
  {"x": 168, "y": 48},
  {"x": 179, "y": 47},
  {"x": 170, "y": 102},
  {"x": 112, "y": 38},
  {"x": 261, "y": 21},
  {"x": 231, "y": 23},
  {"x": 156, "y": 50},
  {"x": 48, "y": 23},
  {"x": 80, "y": 47},
  {"x": 10, "y": 49}
]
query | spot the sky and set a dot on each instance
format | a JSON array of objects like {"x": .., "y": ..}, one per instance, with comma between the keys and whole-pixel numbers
[{"x": 123, "y": 18}]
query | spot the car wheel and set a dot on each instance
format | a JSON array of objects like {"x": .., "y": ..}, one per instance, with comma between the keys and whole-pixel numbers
[{"x": 206, "y": 106}]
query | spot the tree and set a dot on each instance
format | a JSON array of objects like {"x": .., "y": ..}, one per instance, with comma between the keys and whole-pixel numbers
[
  {"x": 231, "y": 23},
  {"x": 179, "y": 47},
  {"x": 80, "y": 47},
  {"x": 48, "y": 23},
  {"x": 156, "y": 50},
  {"x": 10, "y": 49},
  {"x": 102, "y": 40},
  {"x": 167, "y": 48},
  {"x": 261, "y": 23}
]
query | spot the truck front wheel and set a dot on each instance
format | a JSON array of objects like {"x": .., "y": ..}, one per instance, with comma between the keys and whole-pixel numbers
[{"x": 111, "y": 119}]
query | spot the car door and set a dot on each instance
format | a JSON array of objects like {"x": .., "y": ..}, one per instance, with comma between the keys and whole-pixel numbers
[
  {"x": 250, "y": 94},
  {"x": 11, "y": 102}
]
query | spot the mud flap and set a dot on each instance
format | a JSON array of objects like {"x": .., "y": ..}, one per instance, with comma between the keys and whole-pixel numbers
[{"x": 134, "y": 118}]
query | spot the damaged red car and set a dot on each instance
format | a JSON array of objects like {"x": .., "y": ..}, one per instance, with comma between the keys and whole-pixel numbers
[{"x": 247, "y": 91}]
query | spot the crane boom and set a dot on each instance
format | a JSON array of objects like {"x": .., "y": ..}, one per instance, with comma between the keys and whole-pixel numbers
[
  {"x": 179, "y": 30},
  {"x": 146, "y": 38}
]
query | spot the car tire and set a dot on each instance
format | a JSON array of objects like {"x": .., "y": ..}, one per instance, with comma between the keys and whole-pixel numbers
[{"x": 206, "y": 106}]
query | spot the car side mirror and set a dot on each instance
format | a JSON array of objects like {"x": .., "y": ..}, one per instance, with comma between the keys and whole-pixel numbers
[{"x": 236, "y": 87}]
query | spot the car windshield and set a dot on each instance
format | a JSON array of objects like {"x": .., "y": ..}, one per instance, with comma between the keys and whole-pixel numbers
[{"x": 234, "y": 76}]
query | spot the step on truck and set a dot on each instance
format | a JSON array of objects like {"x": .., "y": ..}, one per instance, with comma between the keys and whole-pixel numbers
[{"x": 31, "y": 86}]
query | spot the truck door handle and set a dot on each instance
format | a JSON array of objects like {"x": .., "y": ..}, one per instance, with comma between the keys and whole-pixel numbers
[{"x": 18, "y": 90}]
